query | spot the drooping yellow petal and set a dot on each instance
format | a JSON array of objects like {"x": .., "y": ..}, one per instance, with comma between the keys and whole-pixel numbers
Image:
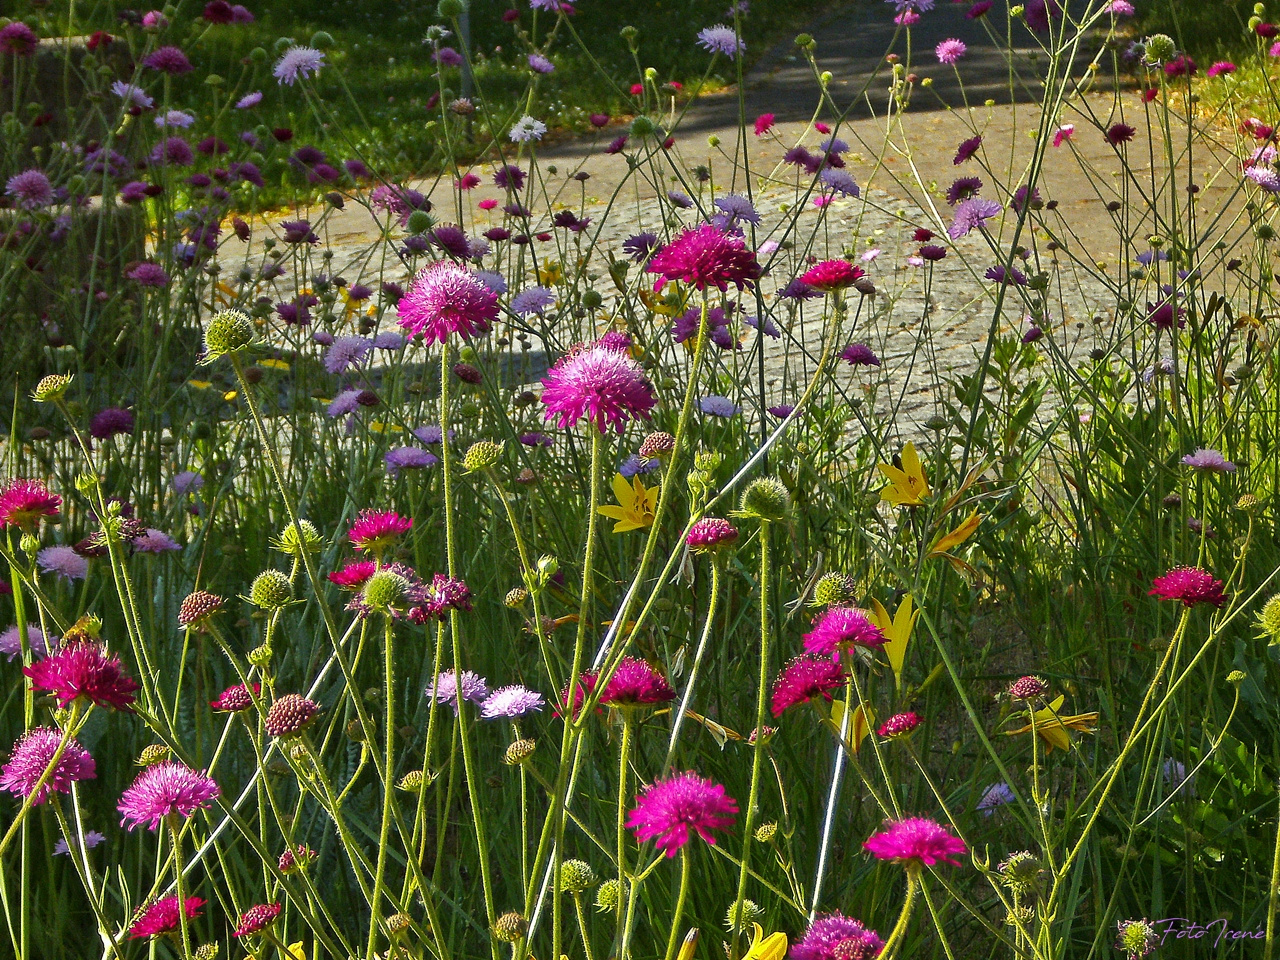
[
  {"x": 897, "y": 631},
  {"x": 296, "y": 951},
  {"x": 949, "y": 541},
  {"x": 1052, "y": 727},
  {"x": 772, "y": 947},
  {"x": 690, "y": 944},
  {"x": 859, "y": 724},
  {"x": 273, "y": 364}
]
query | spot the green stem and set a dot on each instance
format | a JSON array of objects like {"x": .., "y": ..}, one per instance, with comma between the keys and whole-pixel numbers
[
  {"x": 175, "y": 832},
  {"x": 900, "y": 928},
  {"x": 674, "y": 937},
  {"x": 388, "y": 781},
  {"x": 1273, "y": 899}
]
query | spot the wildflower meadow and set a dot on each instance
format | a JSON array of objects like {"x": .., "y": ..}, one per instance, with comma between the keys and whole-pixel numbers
[{"x": 627, "y": 481}]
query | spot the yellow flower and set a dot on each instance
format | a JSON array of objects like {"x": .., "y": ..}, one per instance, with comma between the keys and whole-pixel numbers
[
  {"x": 897, "y": 631},
  {"x": 859, "y": 724},
  {"x": 672, "y": 305},
  {"x": 296, "y": 951},
  {"x": 230, "y": 395},
  {"x": 636, "y": 505},
  {"x": 1052, "y": 726},
  {"x": 948, "y": 542},
  {"x": 274, "y": 364},
  {"x": 199, "y": 384},
  {"x": 690, "y": 944},
  {"x": 772, "y": 947},
  {"x": 907, "y": 486},
  {"x": 549, "y": 274}
]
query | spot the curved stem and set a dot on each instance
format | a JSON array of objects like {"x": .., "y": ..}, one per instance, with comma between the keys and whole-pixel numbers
[
  {"x": 900, "y": 928},
  {"x": 674, "y": 937},
  {"x": 697, "y": 660}
]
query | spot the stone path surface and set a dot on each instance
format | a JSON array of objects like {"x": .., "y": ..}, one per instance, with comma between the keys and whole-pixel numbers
[{"x": 903, "y": 165}]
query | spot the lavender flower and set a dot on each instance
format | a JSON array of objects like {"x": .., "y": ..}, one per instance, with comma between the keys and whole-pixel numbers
[
  {"x": 511, "y": 703},
  {"x": 63, "y": 561},
  {"x": 532, "y": 300},
  {"x": 446, "y": 688},
  {"x": 408, "y": 458},
  {"x": 716, "y": 406},
  {"x": 721, "y": 39},
  {"x": 972, "y": 214},
  {"x": 298, "y": 63},
  {"x": 527, "y": 129},
  {"x": 345, "y": 352},
  {"x": 1209, "y": 461}
]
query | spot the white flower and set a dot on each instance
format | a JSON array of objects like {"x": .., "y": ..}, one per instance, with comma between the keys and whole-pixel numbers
[{"x": 526, "y": 129}]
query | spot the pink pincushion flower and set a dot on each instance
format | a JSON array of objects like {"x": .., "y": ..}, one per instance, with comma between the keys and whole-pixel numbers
[
  {"x": 1221, "y": 68},
  {"x": 706, "y": 257},
  {"x": 899, "y": 724},
  {"x": 31, "y": 756},
  {"x": 916, "y": 842},
  {"x": 710, "y": 533},
  {"x": 83, "y": 670},
  {"x": 24, "y": 502},
  {"x": 950, "y": 51},
  {"x": 162, "y": 917},
  {"x": 165, "y": 789},
  {"x": 804, "y": 678},
  {"x": 375, "y": 530},
  {"x": 831, "y": 275},
  {"x": 1191, "y": 585},
  {"x": 764, "y": 123},
  {"x": 669, "y": 811},
  {"x": 1211, "y": 461},
  {"x": 354, "y": 575},
  {"x": 636, "y": 683},
  {"x": 235, "y": 698},
  {"x": 256, "y": 919},
  {"x": 18, "y": 39},
  {"x": 597, "y": 383},
  {"x": 445, "y": 298},
  {"x": 831, "y": 930},
  {"x": 585, "y": 686},
  {"x": 1063, "y": 134},
  {"x": 840, "y": 628}
]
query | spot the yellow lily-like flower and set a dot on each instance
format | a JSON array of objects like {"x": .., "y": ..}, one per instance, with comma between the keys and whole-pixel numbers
[
  {"x": 1051, "y": 726},
  {"x": 667, "y": 306},
  {"x": 550, "y": 273},
  {"x": 772, "y": 947},
  {"x": 296, "y": 951},
  {"x": 690, "y": 944},
  {"x": 897, "y": 631},
  {"x": 636, "y": 505},
  {"x": 949, "y": 541},
  {"x": 860, "y": 723},
  {"x": 907, "y": 485}
]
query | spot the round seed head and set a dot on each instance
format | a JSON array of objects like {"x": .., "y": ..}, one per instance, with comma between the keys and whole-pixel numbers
[
  {"x": 300, "y": 539},
  {"x": 1269, "y": 618},
  {"x": 519, "y": 751},
  {"x": 766, "y": 500},
  {"x": 412, "y": 781},
  {"x": 509, "y": 927},
  {"x": 482, "y": 455},
  {"x": 766, "y": 832},
  {"x": 52, "y": 387},
  {"x": 834, "y": 589},
  {"x": 271, "y": 590},
  {"x": 385, "y": 591},
  {"x": 577, "y": 876},
  {"x": 658, "y": 444},
  {"x": 1025, "y": 688},
  {"x": 260, "y": 656},
  {"x": 207, "y": 951},
  {"x": 1160, "y": 48},
  {"x": 198, "y": 607},
  {"x": 742, "y": 916},
  {"x": 609, "y": 895},
  {"x": 290, "y": 715},
  {"x": 398, "y": 923},
  {"x": 153, "y": 753},
  {"x": 228, "y": 332},
  {"x": 516, "y": 597}
]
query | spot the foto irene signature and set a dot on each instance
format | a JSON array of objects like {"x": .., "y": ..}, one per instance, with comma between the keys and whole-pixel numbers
[{"x": 1180, "y": 928}]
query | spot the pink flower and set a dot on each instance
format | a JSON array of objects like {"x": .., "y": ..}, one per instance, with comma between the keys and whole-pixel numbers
[
  {"x": 706, "y": 257},
  {"x": 831, "y": 930},
  {"x": 162, "y": 917},
  {"x": 636, "y": 683},
  {"x": 488, "y": 204},
  {"x": 235, "y": 698},
  {"x": 83, "y": 670},
  {"x": 354, "y": 574},
  {"x": 31, "y": 756},
  {"x": 585, "y": 686},
  {"x": 916, "y": 842},
  {"x": 764, "y": 123},
  {"x": 1119, "y": 133},
  {"x": 1210, "y": 461},
  {"x": 1063, "y": 134},
  {"x": 24, "y": 502},
  {"x": 256, "y": 919},
  {"x": 804, "y": 678},
  {"x": 375, "y": 530},
  {"x": 709, "y": 533},
  {"x": 668, "y": 811},
  {"x": 18, "y": 39},
  {"x": 950, "y": 51},
  {"x": 1191, "y": 585},
  {"x": 165, "y": 789},
  {"x": 445, "y": 298},
  {"x": 1221, "y": 68},
  {"x": 596, "y": 383},
  {"x": 831, "y": 275},
  {"x": 842, "y": 627},
  {"x": 899, "y": 724}
]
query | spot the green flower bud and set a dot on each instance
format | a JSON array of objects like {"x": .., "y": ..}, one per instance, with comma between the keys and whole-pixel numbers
[
  {"x": 482, "y": 456},
  {"x": 207, "y": 951},
  {"x": 766, "y": 500},
  {"x": 260, "y": 656},
  {"x": 515, "y": 597},
  {"x": 228, "y": 332},
  {"x": 577, "y": 876},
  {"x": 300, "y": 539},
  {"x": 805, "y": 41},
  {"x": 258, "y": 55},
  {"x": 1160, "y": 49},
  {"x": 152, "y": 753},
  {"x": 591, "y": 299},
  {"x": 412, "y": 782},
  {"x": 321, "y": 40},
  {"x": 271, "y": 590},
  {"x": 1022, "y": 873},
  {"x": 642, "y": 127},
  {"x": 766, "y": 832},
  {"x": 385, "y": 591},
  {"x": 832, "y": 589},
  {"x": 420, "y": 221},
  {"x": 609, "y": 896},
  {"x": 282, "y": 44},
  {"x": 1236, "y": 677},
  {"x": 52, "y": 387},
  {"x": 450, "y": 9},
  {"x": 509, "y": 927},
  {"x": 740, "y": 916}
]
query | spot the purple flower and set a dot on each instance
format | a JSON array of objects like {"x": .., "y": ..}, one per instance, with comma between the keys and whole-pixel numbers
[
  {"x": 1000, "y": 274},
  {"x": 345, "y": 351},
  {"x": 11, "y": 642},
  {"x": 860, "y": 355},
  {"x": 717, "y": 406},
  {"x": 737, "y": 207},
  {"x": 599, "y": 384},
  {"x": 445, "y": 299},
  {"x": 1210, "y": 461},
  {"x": 830, "y": 930},
  {"x": 967, "y": 150},
  {"x": 540, "y": 64},
  {"x": 107, "y": 423},
  {"x": 30, "y": 189},
  {"x": 636, "y": 465},
  {"x": 669, "y": 811},
  {"x": 430, "y": 434},
  {"x": 91, "y": 839},
  {"x": 446, "y": 688},
  {"x": 188, "y": 481},
  {"x": 532, "y": 300},
  {"x": 165, "y": 789},
  {"x": 169, "y": 60},
  {"x": 681, "y": 200},
  {"x": 172, "y": 150},
  {"x": 175, "y": 118},
  {"x": 65, "y": 562},
  {"x": 841, "y": 182},
  {"x": 972, "y": 214},
  {"x": 448, "y": 57},
  {"x": 638, "y": 246},
  {"x": 721, "y": 39},
  {"x": 950, "y": 51},
  {"x": 249, "y": 100},
  {"x": 31, "y": 756},
  {"x": 344, "y": 403},
  {"x": 298, "y": 63},
  {"x": 962, "y": 189},
  {"x": 996, "y": 795},
  {"x": 154, "y": 541},
  {"x": 408, "y": 458},
  {"x": 148, "y": 274},
  {"x": 511, "y": 703},
  {"x": 842, "y": 627}
]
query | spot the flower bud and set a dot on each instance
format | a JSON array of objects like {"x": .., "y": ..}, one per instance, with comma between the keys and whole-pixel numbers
[
  {"x": 299, "y": 539},
  {"x": 450, "y": 9},
  {"x": 482, "y": 456},
  {"x": 1236, "y": 677},
  {"x": 740, "y": 916},
  {"x": 519, "y": 751},
  {"x": 385, "y": 591},
  {"x": 509, "y": 927},
  {"x": 412, "y": 782},
  {"x": 52, "y": 387},
  {"x": 516, "y": 597},
  {"x": 609, "y": 896},
  {"x": 1160, "y": 49},
  {"x": 152, "y": 753},
  {"x": 766, "y": 832},
  {"x": 642, "y": 127},
  {"x": 260, "y": 656},
  {"x": 271, "y": 590},
  {"x": 833, "y": 589},
  {"x": 228, "y": 332},
  {"x": 766, "y": 500},
  {"x": 577, "y": 876},
  {"x": 398, "y": 923}
]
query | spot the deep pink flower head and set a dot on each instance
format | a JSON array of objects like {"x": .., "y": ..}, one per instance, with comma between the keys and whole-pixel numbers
[
  {"x": 30, "y": 758},
  {"x": 162, "y": 917},
  {"x": 375, "y": 530},
  {"x": 764, "y": 123},
  {"x": 804, "y": 678},
  {"x": 256, "y": 919},
  {"x": 711, "y": 533},
  {"x": 169, "y": 60},
  {"x": 842, "y": 627},
  {"x": 445, "y": 298},
  {"x": 235, "y": 698},
  {"x": 899, "y": 724},
  {"x": 706, "y": 257},
  {"x": 831, "y": 275},
  {"x": 1221, "y": 68},
  {"x": 831, "y": 930},
  {"x": 1191, "y": 585},
  {"x": 585, "y": 686},
  {"x": 354, "y": 574},
  {"x": 916, "y": 842},
  {"x": 597, "y": 383},
  {"x": 164, "y": 789},
  {"x": 1119, "y": 133},
  {"x": 950, "y": 51},
  {"x": 636, "y": 683},
  {"x": 19, "y": 39},
  {"x": 24, "y": 502},
  {"x": 668, "y": 811},
  {"x": 82, "y": 670},
  {"x": 436, "y": 599}
]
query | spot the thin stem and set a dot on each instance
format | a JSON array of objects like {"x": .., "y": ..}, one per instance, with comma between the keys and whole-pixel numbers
[
  {"x": 175, "y": 833},
  {"x": 674, "y": 937},
  {"x": 900, "y": 928}
]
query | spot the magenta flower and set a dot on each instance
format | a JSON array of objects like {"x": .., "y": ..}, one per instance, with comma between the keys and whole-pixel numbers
[
  {"x": 705, "y": 257},
  {"x": 18, "y": 39},
  {"x": 24, "y": 502},
  {"x": 1221, "y": 68},
  {"x": 840, "y": 628},
  {"x": 831, "y": 275},
  {"x": 599, "y": 384},
  {"x": 375, "y": 530},
  {"x": 445, "y": 298},
  {"x": 1210, "y": 461},
  {"x": 256, "y": 919},
  {"x": 764, "y": 123},
  {"x": 165, "y": 789},
  {"x": 804, "y": 678},
  {"x": 1063, "y": 134},
  {"x": 1119, "y": 133},
  {"x": 1190, "y": 585},
  {"x": 636, "y": 683},
  {"x": 710, "y": 533},
  {"x": 169, "y": 60},
  {"x": 162, "y": 917},
  {"x": 831, "y": 930},
  {"x": 235, "y": 698},
  {"x": 354, "y": 575},
  {"x": 900, "y": 724},
  {"x": 30, "y": 189},
  {"x": 669, "y": 811},
  {"x": 916, "y": 842},
  {"x": 82, "y": 670},
  {"x": 31, "y": 756},
  {"x": 950, "y": 51}
]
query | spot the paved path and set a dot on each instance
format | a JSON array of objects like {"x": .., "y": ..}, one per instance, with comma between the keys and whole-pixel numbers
[{"x": 904, "y": 166}]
